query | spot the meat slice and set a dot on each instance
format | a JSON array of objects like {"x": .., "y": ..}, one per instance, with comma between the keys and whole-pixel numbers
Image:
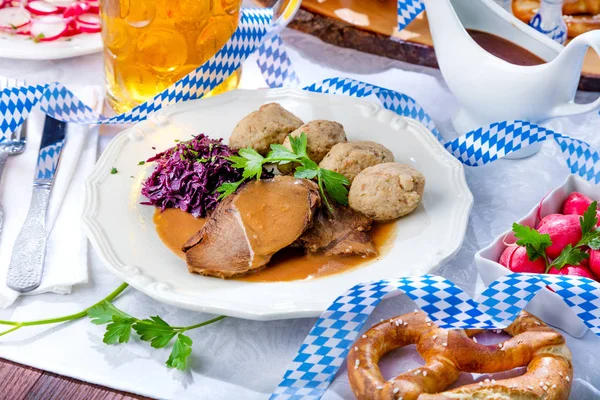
[
  {"x": 248, "y": 227},
  {"x": 339, "y": 232}
]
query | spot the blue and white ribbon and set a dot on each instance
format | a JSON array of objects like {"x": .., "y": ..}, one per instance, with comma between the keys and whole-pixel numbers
[
  {"x": 58, "y": 102},
  {"x": 408, "y": 11},
  {"x": 326, "y": 346}
]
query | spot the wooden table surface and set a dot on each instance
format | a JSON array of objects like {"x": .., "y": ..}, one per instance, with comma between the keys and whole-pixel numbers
[{"x": 20, "y": 382}]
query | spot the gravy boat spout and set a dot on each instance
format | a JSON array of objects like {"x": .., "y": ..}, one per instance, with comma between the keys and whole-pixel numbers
[{"x": 490, "y": 89}]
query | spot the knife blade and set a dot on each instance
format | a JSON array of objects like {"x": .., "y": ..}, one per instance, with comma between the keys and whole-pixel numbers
[{"x": 28, "y": 254}]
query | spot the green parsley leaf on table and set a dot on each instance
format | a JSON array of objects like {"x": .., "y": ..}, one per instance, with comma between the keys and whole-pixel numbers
[
  {"x": 119, "y": 330},
  {"x": 155, "y": 330},
  {"x": 103, "y": 313},
  {"x": 535, "y": 243},
  {"x": 569, "y": 256},
  {"x": 182, "y": 348},
  {"x": 114, "y": 170}
]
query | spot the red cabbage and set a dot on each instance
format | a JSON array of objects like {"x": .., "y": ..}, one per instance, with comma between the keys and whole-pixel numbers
[{"x": 187, "y": 176}]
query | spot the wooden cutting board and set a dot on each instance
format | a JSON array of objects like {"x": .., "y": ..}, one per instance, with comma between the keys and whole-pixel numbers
[{"x": 370, "y": 26}]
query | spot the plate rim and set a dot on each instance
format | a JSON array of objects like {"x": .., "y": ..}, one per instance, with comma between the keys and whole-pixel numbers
[
  {"x": 159, "y": 291},
  {"x": 91, "y": 43}
]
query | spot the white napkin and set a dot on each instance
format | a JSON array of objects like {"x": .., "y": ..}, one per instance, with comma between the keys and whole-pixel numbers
[{"x": 66, "y": 252}]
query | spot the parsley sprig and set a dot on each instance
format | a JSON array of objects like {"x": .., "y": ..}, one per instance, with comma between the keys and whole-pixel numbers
[
  {"x": 154, "y": 330},
  {"x": 536, "y": 243},
  {"x": 252, "y": 163},
  {"x": 119, "y": 327}
]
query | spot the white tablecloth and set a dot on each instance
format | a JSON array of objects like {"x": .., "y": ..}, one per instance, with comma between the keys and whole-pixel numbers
[{"x": 245, "y": 359}]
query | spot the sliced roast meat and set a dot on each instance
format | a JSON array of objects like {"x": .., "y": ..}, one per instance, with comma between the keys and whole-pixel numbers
[
  {"x": 341, "y": 231},
  {"x": 248, "y": 227}
]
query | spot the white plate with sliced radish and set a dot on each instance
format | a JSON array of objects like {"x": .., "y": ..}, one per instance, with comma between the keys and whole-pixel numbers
[
  {"x": 122, "y": 231},
  {"x": 49, "y": 29}
]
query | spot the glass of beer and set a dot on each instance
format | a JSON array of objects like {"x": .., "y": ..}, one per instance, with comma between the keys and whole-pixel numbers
[{"x": 151, "y": 44}]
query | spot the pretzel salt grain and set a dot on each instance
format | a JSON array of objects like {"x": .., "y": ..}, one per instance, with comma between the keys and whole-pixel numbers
[{"x": 449, "y": 352}]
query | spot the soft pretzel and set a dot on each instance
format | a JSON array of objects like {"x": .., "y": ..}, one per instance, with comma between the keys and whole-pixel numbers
[
  {"x": 447, "y": 353},
  {"x": 572, "y": 7},
  {"x": 580, "y": 15}
]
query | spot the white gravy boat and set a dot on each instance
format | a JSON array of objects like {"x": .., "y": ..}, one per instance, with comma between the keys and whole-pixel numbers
[{"x": 490, "y": 89}]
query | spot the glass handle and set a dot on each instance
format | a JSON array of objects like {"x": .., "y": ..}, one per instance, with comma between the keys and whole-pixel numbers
[{"x": 284, "y": 12}]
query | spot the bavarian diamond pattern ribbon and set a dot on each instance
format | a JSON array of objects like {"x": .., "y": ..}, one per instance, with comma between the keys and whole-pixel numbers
[
  {"x": 400, "y": 103},
  {"x": 408, "y": 11},
  {"x": 58, "y": 102},
  {"x": 326, "y": 346},
  {"x": 275, "y": 65},
  {"x": 48, "y": 161}
]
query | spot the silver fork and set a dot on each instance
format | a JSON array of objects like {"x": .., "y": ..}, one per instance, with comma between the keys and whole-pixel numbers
[{"x": 15, "y": 141}]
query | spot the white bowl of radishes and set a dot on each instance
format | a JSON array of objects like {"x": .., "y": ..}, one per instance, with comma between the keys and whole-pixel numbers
[{"x": 566, "y": 248}]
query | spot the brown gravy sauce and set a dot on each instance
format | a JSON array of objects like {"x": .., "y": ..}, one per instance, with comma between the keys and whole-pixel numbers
[
  {"x": 504, "y": 49},
  {"x": 175, "y": 227}
]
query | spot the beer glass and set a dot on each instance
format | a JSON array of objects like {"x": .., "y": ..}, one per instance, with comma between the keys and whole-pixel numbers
[{"x": 151, "y": 44}]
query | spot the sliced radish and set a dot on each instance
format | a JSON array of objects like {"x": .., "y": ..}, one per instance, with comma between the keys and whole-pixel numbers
[
  {"x": 24, "y": 30},
  {"x": 41, "y": 8},
  {"x": 94, "y": 6},
  {"x": 46, "y": 29},
  {"x": 14, "y": 17},
  {"x": 76, "y": 9},
  {"x": 87, "y": 28},
  {"x": 47, "y": 20},
  {"x": 61, "y": 4},
  {"x": 89, "y": 19}
]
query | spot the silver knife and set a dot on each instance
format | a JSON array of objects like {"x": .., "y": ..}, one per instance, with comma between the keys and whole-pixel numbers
[{"x": 27, "y": 261}]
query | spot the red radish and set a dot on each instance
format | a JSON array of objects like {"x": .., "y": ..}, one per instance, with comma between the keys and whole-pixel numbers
[
  {"x": 576, "y": 203},
  {"x": 515, "y": 258},
  {"x": 577, "y": 270},
  {"x": 14, "y": 17},
  {"x": 72, "y": 29},
  {"x": 563, "y": 230},
  {"x": 76, "y": 9},
  {"x": 548, "y": 218},
  {"x": 48, "y": 28},
  {"x": 594, "y": 262},
  {"x": 41, "y": 8}
]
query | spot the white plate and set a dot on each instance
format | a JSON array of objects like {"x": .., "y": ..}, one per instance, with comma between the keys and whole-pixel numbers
[
  {"x": 122, "y": 232},
  {"x": 22, "y": 48}
]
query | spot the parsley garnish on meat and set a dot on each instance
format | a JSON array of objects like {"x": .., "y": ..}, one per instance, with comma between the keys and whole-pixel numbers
[{"x": 252, "y": 163}]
